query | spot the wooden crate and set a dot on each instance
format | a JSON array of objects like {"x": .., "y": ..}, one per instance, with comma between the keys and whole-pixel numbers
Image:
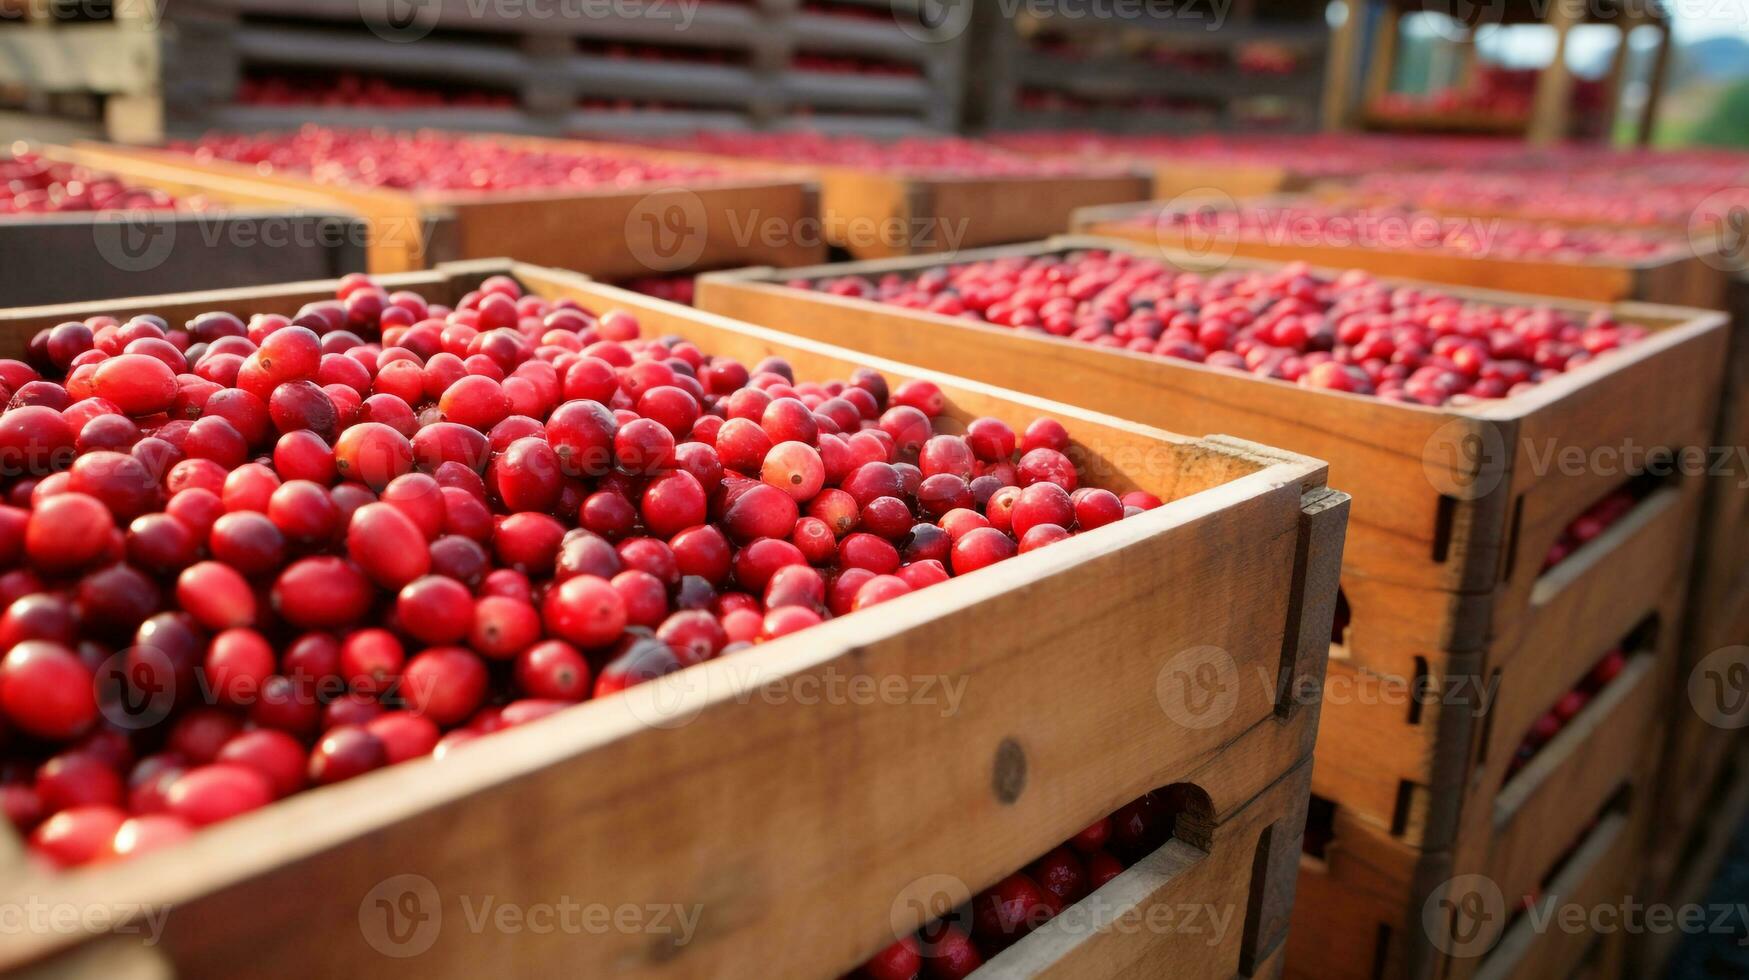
[
  {"x": 944, "y": 214},
  {"x": 1364, "y": 898},
  {"x": 610, "y": 233},
  {"x": 1492, "y": 638},
  {"x": 1445, "y": 550},
  {"x": 66, "y": 257},
  {"x": 1685, "y": 277},
  {"x": 874, "y": 214},
  {"x": 793, "y": 824}
]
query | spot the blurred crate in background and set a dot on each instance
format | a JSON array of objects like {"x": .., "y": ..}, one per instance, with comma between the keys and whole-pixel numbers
[{"x": 1239, "y": 66}]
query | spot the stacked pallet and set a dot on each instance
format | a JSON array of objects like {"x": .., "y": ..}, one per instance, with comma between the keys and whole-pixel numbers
[
  {"x": 639, "y": 67},
  {"x": 1241, "y": 66}
]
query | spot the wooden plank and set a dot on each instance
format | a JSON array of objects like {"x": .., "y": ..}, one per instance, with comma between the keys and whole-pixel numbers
[
  {"x": 612, "y": 804},
  {"x": 1552, "y": 108},
  {"x": 877, "y": 214},
  {"x": 59, "y": 258},
  {"x": 610, "y": 232},
  {"x": 396, "y": 231},
  {"x": 1682, "y": 277},
  {"x": 1141, "y": 925}
]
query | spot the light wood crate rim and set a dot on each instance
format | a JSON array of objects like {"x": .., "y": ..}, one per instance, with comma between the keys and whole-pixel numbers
[
  {"x": 95, "y": 154},
  {"x": 318, "y": 820},
  {"x": 1672, "y": 325},
  {"x": 1112, "y": 172},
  {"x": 1103, "y": 221}
]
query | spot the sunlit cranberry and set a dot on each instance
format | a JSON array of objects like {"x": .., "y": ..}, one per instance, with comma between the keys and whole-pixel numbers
[
  {"x": 444, "y": 684},
  {"x": 346, "y": 751}
]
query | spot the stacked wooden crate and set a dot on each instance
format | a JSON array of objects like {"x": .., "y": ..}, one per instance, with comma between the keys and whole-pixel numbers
[{"x": 1457, "y": 638}]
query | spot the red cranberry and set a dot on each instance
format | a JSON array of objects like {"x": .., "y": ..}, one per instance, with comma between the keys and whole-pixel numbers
[
  {"x": 219, "y": 791},
  {"x": 346, "y": 751}
]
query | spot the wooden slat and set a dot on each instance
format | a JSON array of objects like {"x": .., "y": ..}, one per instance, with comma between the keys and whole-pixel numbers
[
  {"x": 1180, "y": 911},
  {"x": 1683, "y": 277},
  {"x": 609, "y": 231}
]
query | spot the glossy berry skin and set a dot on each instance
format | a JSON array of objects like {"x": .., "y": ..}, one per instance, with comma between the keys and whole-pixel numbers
[
  {"x": 376, "y": 528},
  {"x": 212, "y": 793},
  {"x": 46, "y": 691}
]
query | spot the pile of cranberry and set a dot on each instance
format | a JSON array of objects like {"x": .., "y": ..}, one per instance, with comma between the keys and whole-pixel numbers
[
  {"x": 244, "y": 558},
  {"x": 1587, "y": 527},
  {"x": 918, "y": 155},
  {"x": 33, "y": 185},
  {"x": 1675, "y": 196},
  {"x": 353, "y": 90},
  {"x": 1546, "y": 727},
  {"x": 1318, "y": 154},
  {"x": 1350, "y": 333},
  {"x": 953, "y": 946},
  {"x": 433, "y": 161},
  {"x": 1400, "y": 227},
  {"x": 674, "y": 289}
]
